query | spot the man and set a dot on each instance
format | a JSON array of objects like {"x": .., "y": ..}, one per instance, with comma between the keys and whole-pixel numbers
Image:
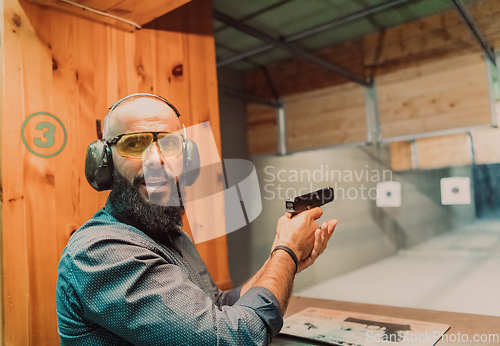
[{"x": 130, "y": 275}]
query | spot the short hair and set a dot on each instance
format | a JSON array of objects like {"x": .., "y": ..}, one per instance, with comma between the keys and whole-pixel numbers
[{"x": 126, "y": 99}]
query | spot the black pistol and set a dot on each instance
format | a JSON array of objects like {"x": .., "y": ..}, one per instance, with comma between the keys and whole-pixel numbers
[{"x": 308, "y": 201}]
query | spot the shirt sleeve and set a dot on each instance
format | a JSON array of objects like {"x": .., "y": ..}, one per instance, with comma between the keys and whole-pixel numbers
[
  {"x": 228, "y": 297},
  {"x": 136, "y": 294}
]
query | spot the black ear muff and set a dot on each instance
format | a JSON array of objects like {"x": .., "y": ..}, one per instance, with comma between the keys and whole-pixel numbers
[
  {"x": 191, "y": 169},
  {"x": 99, "y": 166}
]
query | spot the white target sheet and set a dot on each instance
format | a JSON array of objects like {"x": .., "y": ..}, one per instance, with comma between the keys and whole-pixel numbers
[{"x": 350, "y": 328}]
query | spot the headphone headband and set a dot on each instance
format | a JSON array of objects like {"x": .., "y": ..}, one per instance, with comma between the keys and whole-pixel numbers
[{"x": 164, "y": 100}]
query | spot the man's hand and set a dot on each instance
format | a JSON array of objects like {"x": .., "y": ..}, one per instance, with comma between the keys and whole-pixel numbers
[
  {"x": 321, "y": 237},
  {"x": 303, "y": 236},
  {"x": 298, "y": 232}
]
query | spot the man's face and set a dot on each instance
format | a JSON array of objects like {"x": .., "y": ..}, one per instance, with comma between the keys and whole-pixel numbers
[{"x": 146, "y": 114}]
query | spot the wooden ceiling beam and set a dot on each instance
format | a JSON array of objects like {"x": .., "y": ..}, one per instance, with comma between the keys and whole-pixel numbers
[{"x": 127, "y": 15}]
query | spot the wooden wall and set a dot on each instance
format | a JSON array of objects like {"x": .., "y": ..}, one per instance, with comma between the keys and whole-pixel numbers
[
  {"x": 75, "y": 69},
  {"x": 295, "y": 75},
  {"x": 486, "y": 142},
  {"x": 450, "y": 150},
  {"x": 262, "y": 129},
  {"x": 451, "y": 93},
  {"x": 486, "y": 146},
  {"x": 430, "y": 76},
  {"x": 316, "y": 119},
  {"x": 429, "y": 39},
  {"x": 401, "y": 156},
  {"x": 325, "y": 117},
  {"x": 444, "y": 151},
  {"x": 434, "y": 96}
]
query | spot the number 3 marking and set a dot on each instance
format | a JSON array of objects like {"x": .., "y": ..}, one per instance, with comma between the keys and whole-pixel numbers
[{"x": 48, "y": 133}]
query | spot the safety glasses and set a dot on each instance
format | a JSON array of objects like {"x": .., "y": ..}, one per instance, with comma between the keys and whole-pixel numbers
[{"x": 134, "y": 144}]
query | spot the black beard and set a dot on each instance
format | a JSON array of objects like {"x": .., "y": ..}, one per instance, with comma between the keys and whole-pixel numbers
[{"x": 161, "y": 223}]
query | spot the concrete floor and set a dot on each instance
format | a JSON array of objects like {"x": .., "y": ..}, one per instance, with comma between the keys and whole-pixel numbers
[{"x": 458, "y": 271}]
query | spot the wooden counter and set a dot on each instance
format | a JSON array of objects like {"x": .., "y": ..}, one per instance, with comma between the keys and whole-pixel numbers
[{"x": 459, "y": 323}]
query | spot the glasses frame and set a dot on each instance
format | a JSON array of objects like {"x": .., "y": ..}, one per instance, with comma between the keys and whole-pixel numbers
[{"x": 155, "y": 134}]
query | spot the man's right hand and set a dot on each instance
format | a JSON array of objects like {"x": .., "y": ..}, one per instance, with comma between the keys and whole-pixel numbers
[{"x": 298, "y": 232}]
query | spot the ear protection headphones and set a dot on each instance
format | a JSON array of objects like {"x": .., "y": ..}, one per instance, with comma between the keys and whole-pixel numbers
[{"x": 99, "y": 160}]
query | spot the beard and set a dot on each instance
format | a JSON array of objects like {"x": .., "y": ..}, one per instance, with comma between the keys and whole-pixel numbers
[{"x": 161, "y": 223}]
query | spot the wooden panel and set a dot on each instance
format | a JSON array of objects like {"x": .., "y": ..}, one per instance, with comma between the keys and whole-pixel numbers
[
  {"x": 452, "y": 93},
  {"x": 13, "y": 217},
  {"x": 326, "y": 117},
  {"x": 487, "y": 142},
  {"x": 75, "y": 69},
  {"x": 486, "y": 146},
  {"x": 449, "y": 150},
  {"x": 401, "y": 156},
  {"x": 295, "y": 75},
  {"x": 138, "y": 12},
  {"x": 430, "y": 39},
  {"x": 444, "y": 151},
  {"x": 262, "y": 129}
]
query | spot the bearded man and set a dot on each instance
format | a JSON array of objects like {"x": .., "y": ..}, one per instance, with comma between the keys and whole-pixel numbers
[{"x": 131, "y": 276}]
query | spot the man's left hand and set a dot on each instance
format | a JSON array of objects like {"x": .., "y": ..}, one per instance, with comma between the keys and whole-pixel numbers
[{"x": 322, "y": 236}]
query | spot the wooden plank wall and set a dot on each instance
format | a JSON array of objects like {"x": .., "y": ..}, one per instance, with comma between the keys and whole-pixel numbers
[
  {"x": 401, "y": 159},
  {"x": 444, "y": 151},
  {"x": 450, "y": 150},
  {"x": 486, "y": 146},
  {"x": 427, "y": 97},
  {"x": 428, "y": 69},
  {"x": 434, "y": 96},
  {"x": 295, "y": 76},
  {"x": 429, "y": 39},
  {"x": 442, "y": 37},
  {"x": 316, "y": 119},
  {"x": 75, "y": 69},
  {"x": 262, "y": 129},
  {"x": 325, "y": 117},
  {"x": 486, "y": 143}
]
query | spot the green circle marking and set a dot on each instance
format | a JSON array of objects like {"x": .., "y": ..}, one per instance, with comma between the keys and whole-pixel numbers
[{"x": 26, "y": 143}]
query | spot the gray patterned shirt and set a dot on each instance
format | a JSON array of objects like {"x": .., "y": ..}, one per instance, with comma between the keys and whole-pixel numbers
[{"x": 117, "y": 286}]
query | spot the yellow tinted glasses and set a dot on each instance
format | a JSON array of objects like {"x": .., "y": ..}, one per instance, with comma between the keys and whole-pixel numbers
[{"x": 134, "y": 144}]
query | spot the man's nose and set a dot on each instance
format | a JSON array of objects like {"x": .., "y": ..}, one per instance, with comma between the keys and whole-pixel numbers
[
  {"x": 157, "y": 153},
  {"x": 153, "y": 158},
  {"x": 154, "y": 162}
]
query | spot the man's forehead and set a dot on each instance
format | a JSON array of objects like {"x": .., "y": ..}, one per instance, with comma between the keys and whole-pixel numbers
[{"x": 143, "y": 114}]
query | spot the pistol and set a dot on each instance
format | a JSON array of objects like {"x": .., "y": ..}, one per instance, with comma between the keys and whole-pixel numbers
[{"x": 308, "y": 201}]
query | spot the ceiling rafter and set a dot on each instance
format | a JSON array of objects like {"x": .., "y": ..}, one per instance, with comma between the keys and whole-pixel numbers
[
  {"x": 243, "y": 96},
  {"x": 462, "y": 10},
  {"x": 317, "y": 29},
  {"x": 224, "y": 18},
  {"x": 256, "y": 13}
]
